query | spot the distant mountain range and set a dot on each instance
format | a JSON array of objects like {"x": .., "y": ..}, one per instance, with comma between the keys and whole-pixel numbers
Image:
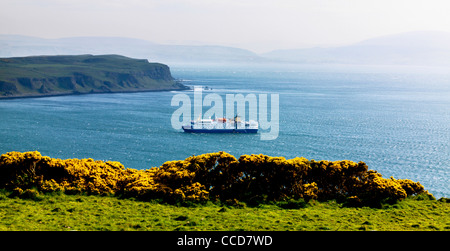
[
  {"x": 412, "y": 48},
  {"x": 18, "y": 46}
]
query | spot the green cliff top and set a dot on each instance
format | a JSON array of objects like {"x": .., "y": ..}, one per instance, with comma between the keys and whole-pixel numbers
[{"x": 60, "y": 75}]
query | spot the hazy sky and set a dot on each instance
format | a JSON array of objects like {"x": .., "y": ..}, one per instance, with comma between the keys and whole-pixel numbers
[{"x": 258, "y": 25}]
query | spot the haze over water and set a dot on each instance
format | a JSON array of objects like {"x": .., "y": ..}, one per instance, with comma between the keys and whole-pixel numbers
[{"x": 393, "y": 118}]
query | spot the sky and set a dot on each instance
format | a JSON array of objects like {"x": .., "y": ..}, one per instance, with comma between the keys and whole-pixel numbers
[{"x": 257, "y": 25}]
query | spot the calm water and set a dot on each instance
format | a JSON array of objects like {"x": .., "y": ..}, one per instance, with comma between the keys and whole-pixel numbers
[{"x": 395, "y": 119}]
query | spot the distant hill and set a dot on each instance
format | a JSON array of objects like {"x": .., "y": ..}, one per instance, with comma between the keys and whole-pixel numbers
[
  {"x": 58, "y": 75},
  {"x": 19, "y": 46},
  {"x": 412, "y": 48}
]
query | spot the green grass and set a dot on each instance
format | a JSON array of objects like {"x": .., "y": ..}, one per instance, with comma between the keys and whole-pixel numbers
[
  {"x": 22, "y": 76},
  {"x": 83, "y": 212}
]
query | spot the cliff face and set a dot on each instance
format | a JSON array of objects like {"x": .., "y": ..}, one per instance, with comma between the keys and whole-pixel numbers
[{"x": 58, "y": 75}]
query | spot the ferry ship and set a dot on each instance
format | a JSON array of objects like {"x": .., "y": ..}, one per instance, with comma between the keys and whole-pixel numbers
[{"x": 222, "y": 125}]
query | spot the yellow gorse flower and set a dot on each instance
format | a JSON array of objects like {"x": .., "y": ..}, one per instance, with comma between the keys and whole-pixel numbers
[{"x": 206, "y": 177}]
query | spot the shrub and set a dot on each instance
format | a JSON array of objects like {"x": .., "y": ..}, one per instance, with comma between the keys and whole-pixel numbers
[
  {"x": 30, "y": 194},
  {"x": 251, "y": 178}
]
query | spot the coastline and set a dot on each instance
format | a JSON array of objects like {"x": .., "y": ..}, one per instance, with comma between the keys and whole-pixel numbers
[
  {"x": 44, "y": 76},
  {"x": 184, "y": 88}
]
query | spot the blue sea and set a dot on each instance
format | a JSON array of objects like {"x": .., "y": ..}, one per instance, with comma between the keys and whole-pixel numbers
[{"x": 396, "y": 119}]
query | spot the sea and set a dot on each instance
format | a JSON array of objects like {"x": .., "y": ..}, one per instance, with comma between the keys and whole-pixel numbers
[{"x": 394, "y": 118}]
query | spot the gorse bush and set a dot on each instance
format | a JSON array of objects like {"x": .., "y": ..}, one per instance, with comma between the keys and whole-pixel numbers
[{"x": 212, "y": 176}]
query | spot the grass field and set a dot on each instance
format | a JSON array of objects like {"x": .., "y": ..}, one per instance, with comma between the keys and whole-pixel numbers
[{"x": 94, "y": 213}]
